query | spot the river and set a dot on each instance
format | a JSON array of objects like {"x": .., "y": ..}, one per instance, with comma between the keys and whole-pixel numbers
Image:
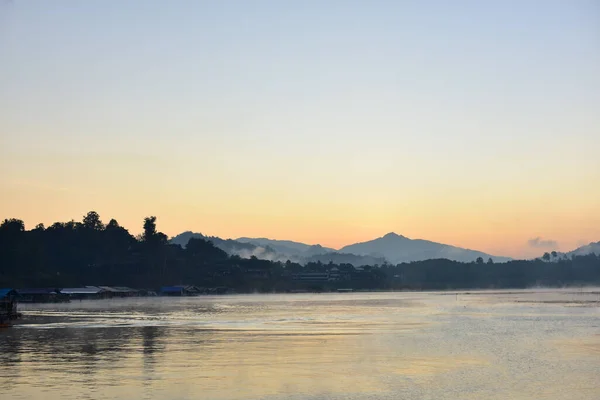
[{"x": 534, "y": 344}]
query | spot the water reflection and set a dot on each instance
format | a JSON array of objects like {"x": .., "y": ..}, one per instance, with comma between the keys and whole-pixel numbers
[{"x": 359, "y": 346}]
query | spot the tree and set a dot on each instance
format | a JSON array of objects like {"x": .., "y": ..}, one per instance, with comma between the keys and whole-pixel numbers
[
  {"x": 490, "y": 261},
  {"x": 70, "y": 253},
  {"x": 72, "y": 225},
  {"x": 112, "y": 224},
  {"x": 149, "y": 229},
  {"x": 200, "y": 248},
  {"x": 12, "y": 225},
  {"x": 57, "y": 226},
  {"x": 151, "y": 236},
  {"x": 546, "y": 256},
  {"x": 554, "y": 254},
  {"x": 92, "y": 221}
]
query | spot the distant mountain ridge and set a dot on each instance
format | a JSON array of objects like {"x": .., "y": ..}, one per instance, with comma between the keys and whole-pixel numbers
[
  {"x": 231, "y": 247},
  {"x": 277, "y": 250},
  {"x": 398, "y": 249},
  {"x": 591, "y": 248},
  {"x": 585, "y": 250},
  {"x": 391, "y": 248},
  {"x": 288, "y": 246}
]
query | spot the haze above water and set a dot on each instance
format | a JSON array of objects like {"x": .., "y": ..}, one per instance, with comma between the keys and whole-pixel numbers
[{"x": 478, "y": 345}]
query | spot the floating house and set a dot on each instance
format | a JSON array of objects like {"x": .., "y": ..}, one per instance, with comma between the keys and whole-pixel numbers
[
  {"x": 41, "y": 295},
  {"x": 119, "y": 291},
  {"x": 86, "y": 293},
  {"x": 180, "y": 290},
  {"x": 311, "y": 276},
  {"x": 218, "y": 290}
]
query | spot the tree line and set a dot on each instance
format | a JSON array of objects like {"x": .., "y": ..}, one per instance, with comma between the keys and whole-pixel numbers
[{"x": 90, "y": 252}]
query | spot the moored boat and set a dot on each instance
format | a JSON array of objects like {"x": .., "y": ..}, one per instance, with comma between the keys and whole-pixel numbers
[{"x": 8, "y": 307}]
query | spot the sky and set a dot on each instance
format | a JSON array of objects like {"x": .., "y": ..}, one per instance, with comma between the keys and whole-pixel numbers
[{"x": 470, "y": 123}]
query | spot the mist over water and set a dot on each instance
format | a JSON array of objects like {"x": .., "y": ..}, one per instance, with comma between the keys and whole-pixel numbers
[{"x": 539, "y": 344}]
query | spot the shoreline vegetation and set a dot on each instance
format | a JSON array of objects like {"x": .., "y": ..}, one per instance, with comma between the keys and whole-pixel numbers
[{"x": 75, "y": 254}]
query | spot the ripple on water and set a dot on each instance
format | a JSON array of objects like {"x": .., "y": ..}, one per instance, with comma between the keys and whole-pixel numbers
[{"x": 517, "y": 345}]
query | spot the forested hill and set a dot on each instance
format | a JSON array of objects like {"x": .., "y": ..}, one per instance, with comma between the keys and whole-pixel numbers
[{"x": 90, "y": 252}]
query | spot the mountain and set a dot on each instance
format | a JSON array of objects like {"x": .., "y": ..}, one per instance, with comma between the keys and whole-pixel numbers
[
  {"x": 555, "y": 256},
  {"x": 584, "y": 250},
  {"x": 183, "y": 238},
  {"x": 278, "y": 250},
  {"x": 287, "y": 246},
  {"x": 304, "y": 253},
  {"x": 397, "y": 249},
  {"x": 391, "y": 248},
  {"x": 231, "y": 247}
]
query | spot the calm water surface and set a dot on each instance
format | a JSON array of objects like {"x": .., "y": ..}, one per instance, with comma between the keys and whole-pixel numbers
[{"x": 543, "y": 344}]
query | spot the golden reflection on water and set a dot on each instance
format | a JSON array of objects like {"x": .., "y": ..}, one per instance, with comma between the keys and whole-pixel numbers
[
  {"x": 432, "y": 366},
  {"x": 580, "y": 347},
  {"x": 354, "y": 346}
]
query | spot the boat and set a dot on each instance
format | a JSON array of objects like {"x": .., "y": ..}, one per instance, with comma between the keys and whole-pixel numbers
[{"x": 8, "y": 307}]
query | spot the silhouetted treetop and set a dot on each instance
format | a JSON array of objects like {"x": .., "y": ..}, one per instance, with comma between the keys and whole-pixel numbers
[
  {"x": 112, "y": 224},
  {"x": 92, "y": 221},
  {"x": 12, "y": 225}
]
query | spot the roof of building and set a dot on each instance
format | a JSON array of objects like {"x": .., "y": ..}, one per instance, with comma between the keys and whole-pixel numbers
[
  {"x": 83, "y": 290},
  {"x": 311, "y": 273},
  {"x": 125, "y": 289},
  {"x": 37, "y": 291},
  {"x": 172, "y": 289},
  {"x": 7, "y": 292},
  {"x": 108, "y": 288},
  {"x": 118, "y": 289}
]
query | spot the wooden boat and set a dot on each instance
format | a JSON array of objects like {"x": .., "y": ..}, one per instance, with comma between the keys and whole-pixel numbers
[{"x": 8, "y": 307}]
